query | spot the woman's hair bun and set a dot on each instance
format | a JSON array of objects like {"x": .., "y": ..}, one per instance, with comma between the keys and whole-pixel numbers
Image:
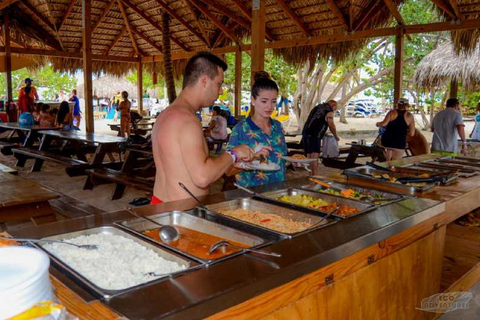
[{"x": 260, "y": 75}]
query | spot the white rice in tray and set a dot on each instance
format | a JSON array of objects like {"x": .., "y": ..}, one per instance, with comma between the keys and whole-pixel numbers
[{"x": 118, "y": 263}]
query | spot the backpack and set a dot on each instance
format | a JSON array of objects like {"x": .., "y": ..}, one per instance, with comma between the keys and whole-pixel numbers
[{"x": 26, "y": 119}]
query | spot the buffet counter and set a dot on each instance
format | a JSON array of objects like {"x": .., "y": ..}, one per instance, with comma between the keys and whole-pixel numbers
[{"x": 382, "y": 261}]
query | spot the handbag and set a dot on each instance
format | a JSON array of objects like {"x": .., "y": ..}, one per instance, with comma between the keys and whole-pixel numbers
[{"x": 330, "y": 147}]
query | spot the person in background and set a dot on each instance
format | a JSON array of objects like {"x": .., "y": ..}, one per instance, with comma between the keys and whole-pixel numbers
[
  {"x": 319, "y": 120},
  {"x": 27, "y": 96},
  {"x": 146, "y": 95},
  {"x": 398, "y": 123},
  {"x": 46, "y": 118},
  {"x": 64, "y": 117},
  {"x": 475, "y": 134},
  {"x": 179, "y": 147},
  {"x": 261, "y": 129},
  {"x": 37, "y": 112},
  {"x": 217, "y": 129},
  {"x": 446, "y": 125},
  {"x": 124, "y": 109},
  {"x": 76, "y": 108}
]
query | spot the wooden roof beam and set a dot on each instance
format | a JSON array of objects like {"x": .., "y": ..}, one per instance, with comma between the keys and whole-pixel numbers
[
  {"x": 37, "y": 14},
  {"x": 247, "y": 13},
  {"x": 142, "y": 14},
  {"x": 129, "y": 26},
  {"x": 234, "y": 16},
  {"x": 7, "y": 3},
  {"x": 202, "y": 7},
  {"x": 336, "y": 10},
  {"x": 445, "y": 8},
  {"x": 117, "y": 38},
  {"x": 66, "y": 14},
  {"x": 392, "y": 6},
  {"x": 455, "y": 8},
  {"x": 368, "y": 13},
  {"x": 104, "y": 14},
  {"x": 197, "y": 22},
  {"x": 187, "y": 25},
  {"x": 150, "y": 42},
  {"x": 290, "y": 13}
]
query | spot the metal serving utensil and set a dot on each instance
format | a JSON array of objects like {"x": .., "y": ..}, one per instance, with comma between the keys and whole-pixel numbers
[
  {"x": 167, "y": 233},
  {"x": 222, "y": 243},
  {"x": 81, "y": 246},
  {"x": 192, "y": 195}
]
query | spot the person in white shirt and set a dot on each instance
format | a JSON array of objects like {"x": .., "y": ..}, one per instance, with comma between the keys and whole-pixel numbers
[
  {"x": 217, "y": 129},
  {"x": 475, "y": 134}
]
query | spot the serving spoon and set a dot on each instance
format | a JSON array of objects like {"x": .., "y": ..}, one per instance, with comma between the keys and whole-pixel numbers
[
  {"x": 167, "y": 233},
  {"x": 222, "y": 243},
  {"x": 81, "y": 246}
]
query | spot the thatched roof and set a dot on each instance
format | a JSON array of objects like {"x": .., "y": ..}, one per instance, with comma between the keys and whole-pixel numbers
[
  {"x": 107, "y": 86},
  {"x": 200, "y": 24},
  {"x": 443, "y": 64}
]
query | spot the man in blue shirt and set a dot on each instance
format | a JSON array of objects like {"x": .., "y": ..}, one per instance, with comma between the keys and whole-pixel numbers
[{"x": 76, "y": 108}]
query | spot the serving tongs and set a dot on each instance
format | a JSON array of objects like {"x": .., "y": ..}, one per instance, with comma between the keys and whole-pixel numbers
[
  {"x": 325, "y": 184},
  {"x": 377, "y": 167}
]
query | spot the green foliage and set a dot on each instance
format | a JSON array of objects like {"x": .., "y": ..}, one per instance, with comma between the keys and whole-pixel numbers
[
  {"x": 469, "y": 100},
  {"x": 44, "y": 77}
]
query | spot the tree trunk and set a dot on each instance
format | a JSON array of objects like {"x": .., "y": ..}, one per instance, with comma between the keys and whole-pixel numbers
[
  {"x": 343, "y": 109},
  {"x": 167, "y": 58},
  {"x": 432, "y": 108}
]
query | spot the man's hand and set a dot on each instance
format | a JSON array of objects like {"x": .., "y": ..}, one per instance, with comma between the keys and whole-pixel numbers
[
  {"x": 470, "y": 135},
  {"x": 265, "y": 151},
  {"x": 244, "y": 153},
  {"x": 337, "y": 138},
  {"x": 464, "y": 150}
]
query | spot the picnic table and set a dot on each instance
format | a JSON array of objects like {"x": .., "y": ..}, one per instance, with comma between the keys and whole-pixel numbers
[
  {"x": 135, "y": 172},
  {"x": 22, "y": 199},
  {"x": 26, "y": 135},
  {"x": 70, "y": 143}
]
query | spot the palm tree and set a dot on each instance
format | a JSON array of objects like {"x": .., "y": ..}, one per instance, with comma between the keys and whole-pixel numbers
[{"x": 167, "y": 58}]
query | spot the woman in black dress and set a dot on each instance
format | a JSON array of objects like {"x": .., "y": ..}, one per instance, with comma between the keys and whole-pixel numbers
[{"x": 398, "y": 123}]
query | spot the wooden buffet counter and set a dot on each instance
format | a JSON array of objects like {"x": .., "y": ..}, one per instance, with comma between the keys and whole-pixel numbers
[{"x": 379, "y": 265}]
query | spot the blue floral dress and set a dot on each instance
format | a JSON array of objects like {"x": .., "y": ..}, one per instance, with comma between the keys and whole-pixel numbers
[{"x": 248, "y": 133}]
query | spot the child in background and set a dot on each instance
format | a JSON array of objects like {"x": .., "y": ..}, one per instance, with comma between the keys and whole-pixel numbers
[
  {"x": 46, "y": 119},
  {"x": 37, "y": 112}
]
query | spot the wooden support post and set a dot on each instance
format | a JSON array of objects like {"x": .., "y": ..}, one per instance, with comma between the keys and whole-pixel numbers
[
  {"x": 453, "y": 88},
  {"x": 140, "y": 86},
  {"x": 398, "y": 75},
  {"x": 87, "y": 63},
  {"x": 238, "y": 81},
  {"x": 258, "y": 36},
  {"x": 8, "y": 56}
]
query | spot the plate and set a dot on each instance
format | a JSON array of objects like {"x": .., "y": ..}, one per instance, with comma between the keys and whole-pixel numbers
[
  {"x": 256, "y": 165},
  {"x": 292, "y": 159}
]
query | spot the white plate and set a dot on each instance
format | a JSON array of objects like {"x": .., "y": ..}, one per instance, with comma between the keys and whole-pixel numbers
[
  {"x": 256, "y": 165},
  {"x": 291, "y": 159},
  {"x": 24, "y": 279}
]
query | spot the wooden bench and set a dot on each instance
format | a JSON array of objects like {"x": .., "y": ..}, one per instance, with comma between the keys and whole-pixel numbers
[
  {"x": 6, "y": 147},
  {"x": 6, "y": 169},
  {"x": 100, "y": 176},
  {"x": 73, "y": 167}
]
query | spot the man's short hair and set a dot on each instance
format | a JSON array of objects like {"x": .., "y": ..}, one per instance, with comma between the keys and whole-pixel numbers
[
  {"x": 203, "y": 63},
  {"x": 452, "y": 102}
]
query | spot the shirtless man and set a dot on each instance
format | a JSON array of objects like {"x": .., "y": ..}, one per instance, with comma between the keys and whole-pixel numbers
[{"x": 179, "y": 147}]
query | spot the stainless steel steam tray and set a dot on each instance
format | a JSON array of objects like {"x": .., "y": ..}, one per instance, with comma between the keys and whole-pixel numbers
[
  {"x": 193, "y": 225},
  {"x": 274, "y": 196},
  {"x": 363, "y": 174},
  {"x": 264, "y": 207},
  {"x": 367, "y": 195},
  {"x": 110, "y": 230}
]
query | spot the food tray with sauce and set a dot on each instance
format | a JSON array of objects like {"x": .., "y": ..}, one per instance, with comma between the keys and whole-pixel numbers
[
  {"x": 95, "y": 289},
  {"x": 345, "y": 204},
  {"x": 288, "y": 223},
  {"x": 364, "y": 174},
  {"x": 416, "y": 172},
  {"x": 372, "y": 196},
  {"x": 196, "y": 235}
]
